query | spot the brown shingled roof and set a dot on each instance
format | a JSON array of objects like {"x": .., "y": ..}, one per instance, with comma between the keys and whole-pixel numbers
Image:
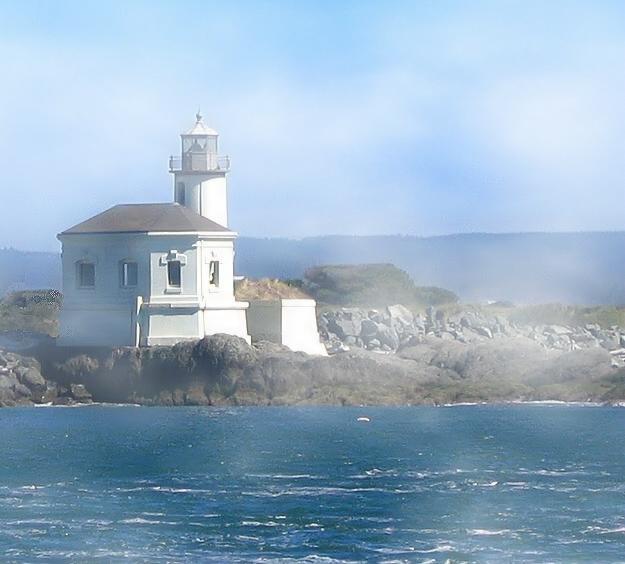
[{"x": 144, "y": 218}]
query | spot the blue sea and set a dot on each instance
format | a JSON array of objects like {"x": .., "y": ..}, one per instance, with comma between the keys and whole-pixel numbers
[{"x": 516, "y": 483}]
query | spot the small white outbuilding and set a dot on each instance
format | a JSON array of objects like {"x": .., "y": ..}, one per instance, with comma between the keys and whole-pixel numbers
[{"x": 157, "y": 274}]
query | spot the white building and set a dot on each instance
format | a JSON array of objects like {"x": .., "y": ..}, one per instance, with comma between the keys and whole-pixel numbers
[{"x": 155, "y": 274}]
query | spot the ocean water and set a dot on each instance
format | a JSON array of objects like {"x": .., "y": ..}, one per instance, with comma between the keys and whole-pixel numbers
[{"x": 520, "y": 483}]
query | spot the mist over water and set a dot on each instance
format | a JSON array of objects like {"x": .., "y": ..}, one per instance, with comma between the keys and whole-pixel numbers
[{"x": 419, "y": 484}]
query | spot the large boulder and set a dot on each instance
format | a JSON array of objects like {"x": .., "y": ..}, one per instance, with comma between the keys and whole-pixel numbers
[
  {"x": 400, "y": 314},
  {"x": 31, "y": 378},
  {"x": 387, "y": 336},
  {"x": 346, "y": 322}
]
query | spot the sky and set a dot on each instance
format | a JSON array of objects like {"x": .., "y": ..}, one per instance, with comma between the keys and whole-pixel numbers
[{"x": 340, "y": 117}]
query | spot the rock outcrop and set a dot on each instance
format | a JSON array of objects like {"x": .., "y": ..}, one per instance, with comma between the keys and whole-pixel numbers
[
  {"x": 225, "y": 370},
  {"x": 395, "y": 327},
  {"x": 436, "y": 360},
  {"x": 21, "y": 383}
]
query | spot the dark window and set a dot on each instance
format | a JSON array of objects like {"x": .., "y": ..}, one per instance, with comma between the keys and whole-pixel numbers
[
  {"x": 173, "y": 273},
  {"x": 213, "y": 273},
  {"x": 182, "y": 197},
  {"x": 86, "y": 274},
  {"x": 129, "y": 274}
]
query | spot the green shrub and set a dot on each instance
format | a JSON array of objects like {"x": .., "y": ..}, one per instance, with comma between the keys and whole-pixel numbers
[{"x": 370, "y": 285}]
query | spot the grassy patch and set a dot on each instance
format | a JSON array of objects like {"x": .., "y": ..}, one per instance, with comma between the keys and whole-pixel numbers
[
  {"x": 268, "y": 289},
  {"x": 32, "y": 310}
]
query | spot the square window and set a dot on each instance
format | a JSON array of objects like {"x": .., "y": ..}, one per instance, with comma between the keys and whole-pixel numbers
[
  {"x": 129, "y": 274},
  {"x": 86, "y": 274}
]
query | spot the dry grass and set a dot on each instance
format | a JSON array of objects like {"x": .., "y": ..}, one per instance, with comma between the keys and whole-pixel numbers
[{"x": 266, "y": 289}]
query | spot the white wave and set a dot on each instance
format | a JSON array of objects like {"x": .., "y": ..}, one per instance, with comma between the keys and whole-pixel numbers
[
  {"x": 439, "y": 548},
  {"x": 261, "y": 524},
  {"x": 142, "y": 521},
  {"x": 555, "y": 402},
  {"x": 605, "y": 531},
  {"x": 163, "y": 489},
  {"x": 34, "y": 522},
  {"x": 488, "y": 533}
]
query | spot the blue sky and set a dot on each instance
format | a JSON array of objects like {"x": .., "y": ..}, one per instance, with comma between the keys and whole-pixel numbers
[{"x": 421, "y": 118}]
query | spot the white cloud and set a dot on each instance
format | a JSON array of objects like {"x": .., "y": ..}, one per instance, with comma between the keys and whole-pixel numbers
[{"x": 526, "y": 111}]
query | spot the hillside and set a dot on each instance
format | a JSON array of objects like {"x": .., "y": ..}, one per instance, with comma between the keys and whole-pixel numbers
[{"x": 577, "y": 268}]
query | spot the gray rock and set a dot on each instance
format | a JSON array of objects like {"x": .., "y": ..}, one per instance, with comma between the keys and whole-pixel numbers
[
  {"x": 610, "y": 343},
  {"x": 369, "y": 328},
  {"x": 21, "y": 391},
  {"x": 79, "y": 393},
  {"x": 483, "y": 331},
  {"x": 401, "y": 314},
  {"x": 447, "y": 336},
  {"x": 347, "y": 322},
  {"x": 558, "y": 330},
  {"x": 32, "y": 379},
  {"x": 387, "y": 336},
  {"x": 334, "y": 347}
]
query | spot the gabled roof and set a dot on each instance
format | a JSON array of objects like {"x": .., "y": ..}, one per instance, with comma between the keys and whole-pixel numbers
[{"x": 144, "y": 218}]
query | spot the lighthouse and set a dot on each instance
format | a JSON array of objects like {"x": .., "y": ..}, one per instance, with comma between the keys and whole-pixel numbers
[
  {"x": 158, "y": 274},
  {"x": 200, "y": 173}
]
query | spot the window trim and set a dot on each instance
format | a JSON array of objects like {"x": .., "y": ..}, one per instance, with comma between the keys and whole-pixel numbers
[
  {"x": 170, "y": 285},
  {"x": 79, "y": 275},
  {"x": 123, "y": 274},
  {"x": 173, "y": 256}
]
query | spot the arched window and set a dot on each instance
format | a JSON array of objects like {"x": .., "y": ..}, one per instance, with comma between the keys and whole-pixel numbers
[
  {"x": 182, "y": 197},
  {"x": 85, "y": 274}
]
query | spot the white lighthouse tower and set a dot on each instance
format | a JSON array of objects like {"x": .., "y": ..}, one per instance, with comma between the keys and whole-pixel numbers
[{"x": 200, "y": 173}]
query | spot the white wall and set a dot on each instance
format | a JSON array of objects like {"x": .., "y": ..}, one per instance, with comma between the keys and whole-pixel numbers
[
  {"x": 105, "y": 314},
  {"x": 231, "y": 320},
  {"x": 223, "y": 252},
  {"x": 299, "y": 326},
  {"x": 97, "y": 328},
  {"x": 101, "y": 315},
  {"x": 292, "y": 323},
  {"x": 167, "y": 326},
  {"x": 264, "y": 320},
  {"x": 206, "y": 194}
]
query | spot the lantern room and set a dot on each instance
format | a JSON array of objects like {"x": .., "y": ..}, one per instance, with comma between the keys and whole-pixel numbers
[{"x": 199, "y": 151}]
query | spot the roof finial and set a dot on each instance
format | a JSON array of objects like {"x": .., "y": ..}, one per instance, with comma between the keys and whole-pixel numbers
[{"x": 198, "y": 116}]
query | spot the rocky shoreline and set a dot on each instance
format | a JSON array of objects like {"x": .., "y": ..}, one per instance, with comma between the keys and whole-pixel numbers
[
  {"x": 395, "y": 327},
  {"x": 223, "y": 370},
  {"x": 21, "y": 383}
]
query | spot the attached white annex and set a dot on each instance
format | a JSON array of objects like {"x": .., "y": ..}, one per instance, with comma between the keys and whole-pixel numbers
[{"x": 154, "y": 274}]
